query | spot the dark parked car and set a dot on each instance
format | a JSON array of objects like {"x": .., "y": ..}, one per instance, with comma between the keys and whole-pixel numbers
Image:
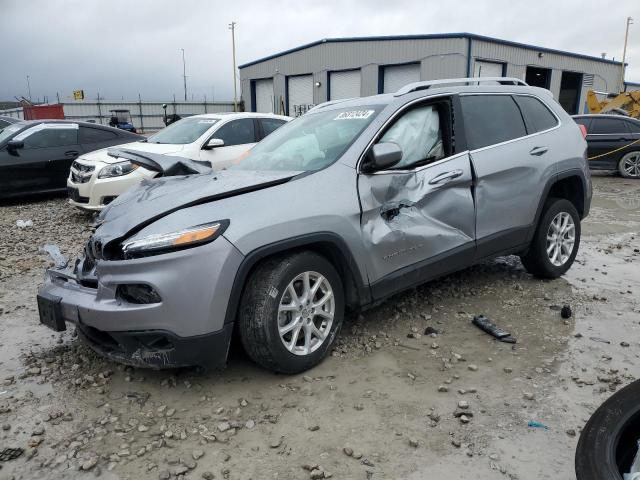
[
  {"x": 610, "y": 139},
  {"x": 36, "y": 155},
  {"x": 6, "y": 121}
]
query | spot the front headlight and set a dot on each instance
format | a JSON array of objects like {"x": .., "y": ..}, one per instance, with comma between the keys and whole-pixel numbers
[
  {"x": 161, "y": 243},
  {"x": 117, "y": 169}
]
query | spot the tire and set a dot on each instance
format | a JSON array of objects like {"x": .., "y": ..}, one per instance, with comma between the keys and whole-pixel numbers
[
  {"x": 267, "y": 291},
  {"x": 607, "y": 445},
  {"x": 629, "y": 165},
  {"x": 536, "y": 260}
]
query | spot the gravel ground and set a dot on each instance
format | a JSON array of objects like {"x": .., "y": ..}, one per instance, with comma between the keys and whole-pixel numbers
[{"x": 412, "y": 390}]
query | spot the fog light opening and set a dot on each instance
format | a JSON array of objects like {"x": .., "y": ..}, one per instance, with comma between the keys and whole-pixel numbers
[{"x": 138, "y": 293}]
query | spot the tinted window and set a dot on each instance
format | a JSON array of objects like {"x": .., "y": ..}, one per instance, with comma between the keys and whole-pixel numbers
[
  {"x": 269, "y": 125},
  {"x": 187, "y": 130},
  {"x": 536, "y": 115},
  {"x": 604, "y": 126},
  {"x": 236, "y": 132},
  {"x": 95, "y": 135},
  {"x": 52, "y": 137},
  {"x": 4, "y": 123},
  {"x": 491, "y": 119},
  {"x": 583, "y": 121},
  {"x": 633, "y": 126}
]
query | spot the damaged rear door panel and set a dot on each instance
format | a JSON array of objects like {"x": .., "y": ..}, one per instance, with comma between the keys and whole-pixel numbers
[{"x": 418, "y": 222}]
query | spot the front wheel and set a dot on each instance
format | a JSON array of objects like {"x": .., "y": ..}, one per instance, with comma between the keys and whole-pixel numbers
[
  {"x": 292, "y": 309},
  {"x": 629, "y": 165},
  {"x": 555, "y": 244}
]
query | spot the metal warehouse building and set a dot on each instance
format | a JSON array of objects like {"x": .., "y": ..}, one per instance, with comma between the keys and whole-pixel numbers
[{"x": 290, "y": 82}]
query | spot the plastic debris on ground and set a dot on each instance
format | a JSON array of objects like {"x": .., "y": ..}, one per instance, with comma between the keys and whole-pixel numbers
[
  {"x": 54, "y": 252},
  {"x": 566, "y": 312},
  {"x": 634, "y": 471},
  {"x": 24, "y": 223},
  {"x": 486, "y": 325},
  {"x": 534, "y": 424}
]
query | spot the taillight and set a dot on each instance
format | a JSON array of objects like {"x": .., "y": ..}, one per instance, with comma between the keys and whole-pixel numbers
[{"x": 583, "y": 129}]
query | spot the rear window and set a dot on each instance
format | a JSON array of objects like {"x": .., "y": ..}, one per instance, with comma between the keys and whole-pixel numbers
[
  {"x": 96, "y": 135},
  {"x": 536, "y": 115},
  {"x": 633, "y": 126},
  {"x": 491, "y": 119},
  {"x": 583, "y": 121},
  {"x": 608, "y": 126}
]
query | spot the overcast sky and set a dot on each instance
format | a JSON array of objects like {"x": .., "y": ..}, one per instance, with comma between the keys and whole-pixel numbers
[{"x": 120, "y": 48}]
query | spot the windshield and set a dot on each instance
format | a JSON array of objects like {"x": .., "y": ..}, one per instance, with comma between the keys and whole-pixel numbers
[
  {"x": 9, "y": 130},
  {"x": 187, "y": 130},
  {"x": 311, "y": 142}
]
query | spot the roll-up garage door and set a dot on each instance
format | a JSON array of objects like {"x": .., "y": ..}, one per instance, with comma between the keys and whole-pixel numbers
[
  {"x": 344, "y": 84},
  {"x": 264, "y": 95},
  {"x": 300, "y": 94},
  {"x": 487, "y": 69},
  {"x": 397, "y": 76}
]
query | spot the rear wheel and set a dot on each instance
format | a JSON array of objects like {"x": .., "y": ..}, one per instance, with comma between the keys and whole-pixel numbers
[
  {"x": 556, "y": 241},
  {"x": 292, "y": 309},
  {"x": 629, "y": 165}
]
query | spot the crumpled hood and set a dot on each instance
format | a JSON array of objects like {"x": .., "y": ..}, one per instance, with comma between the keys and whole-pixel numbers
[
  {"x": 154, "y": 198},
  {"x": 101, "y": 155}
]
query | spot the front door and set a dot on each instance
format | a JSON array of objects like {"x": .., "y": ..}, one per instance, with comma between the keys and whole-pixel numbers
[
  {"x": 418, "y": 216},
  {"x": 238, "y": 137}
]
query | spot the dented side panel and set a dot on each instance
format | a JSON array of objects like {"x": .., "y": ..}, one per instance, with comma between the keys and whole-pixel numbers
[{"x": 406, "y": 220}]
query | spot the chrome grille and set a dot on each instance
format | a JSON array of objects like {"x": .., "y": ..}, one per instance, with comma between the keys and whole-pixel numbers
[{"x": 81, "y": 173}]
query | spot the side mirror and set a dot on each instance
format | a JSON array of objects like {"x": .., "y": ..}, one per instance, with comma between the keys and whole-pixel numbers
[
  {"x": 214, "y": 143},
  {"x": 384, "y": 155},
  {"x": 13, "y": 145}
]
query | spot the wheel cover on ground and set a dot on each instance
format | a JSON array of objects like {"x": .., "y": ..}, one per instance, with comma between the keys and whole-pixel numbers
[
  {"x": 561, "y": 238},
  {"x": 631, "y": 164},
  {"x": 306, "y": 313}
]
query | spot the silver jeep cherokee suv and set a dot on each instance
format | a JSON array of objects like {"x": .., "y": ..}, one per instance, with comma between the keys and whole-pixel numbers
[{"x": 339, "y": 209}]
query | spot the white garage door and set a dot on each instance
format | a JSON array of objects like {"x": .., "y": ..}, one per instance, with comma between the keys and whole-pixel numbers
[
  {"x": 300, "y": 93},
  {"x": 264, "y": 95},
  {"x": 344, "y": 84},
  {"x": 487, "y": 69},
  {"x": 397, "y": 76}
]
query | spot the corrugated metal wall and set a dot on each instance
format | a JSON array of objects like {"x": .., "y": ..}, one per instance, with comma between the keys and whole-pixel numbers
[
  {"x": 439, "y": 58},
  {"x": 146, "y": 116}
]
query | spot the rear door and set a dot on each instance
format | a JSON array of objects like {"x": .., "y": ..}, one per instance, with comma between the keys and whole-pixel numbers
[
  {"x": 44, "y": 161},
  {"x": 512, "y": 162},
  {"x": 605, "y": 135},
  {"x": 418, "y": 216},
  {"x": 238, "y": 137}
]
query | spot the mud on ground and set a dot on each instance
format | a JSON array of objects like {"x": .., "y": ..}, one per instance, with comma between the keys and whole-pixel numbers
[{"x": 388, "y": 403}]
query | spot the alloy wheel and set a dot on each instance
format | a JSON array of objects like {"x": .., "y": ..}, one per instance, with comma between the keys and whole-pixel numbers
[
  {"x": 561, "y": 238},
  {"x": 631, "y": 164},
  {"x": 306, "y": 313}
]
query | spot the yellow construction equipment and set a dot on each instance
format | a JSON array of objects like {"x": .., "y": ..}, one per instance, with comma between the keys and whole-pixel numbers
[{"x": 625, "y": 103}]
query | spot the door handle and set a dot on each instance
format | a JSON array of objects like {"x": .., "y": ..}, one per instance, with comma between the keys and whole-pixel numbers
[
  {"x": 71, "y": 153},
  {"x": 537, "y": 151},
  {"x": 445, "y": 176}
]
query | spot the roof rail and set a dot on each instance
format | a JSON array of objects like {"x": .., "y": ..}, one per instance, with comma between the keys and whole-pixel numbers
[
  {"x": 414, "y": 87},
  {"x": 326, "y": 104}
]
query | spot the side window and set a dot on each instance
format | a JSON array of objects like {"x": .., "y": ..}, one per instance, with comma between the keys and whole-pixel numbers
[
  {"x": 607, "y": 126},
  {"x": 634, "y": 127},
  {"x": 491, "y": 119},
  {"x": 269, "y": 125},
  {"x": 236, "y": 132},
  {"x": 52, "y": 137},
  {"x": 536, "y": 115},
  {"x": 95, "y": 135},
  {"x": 421, "y": 134}
]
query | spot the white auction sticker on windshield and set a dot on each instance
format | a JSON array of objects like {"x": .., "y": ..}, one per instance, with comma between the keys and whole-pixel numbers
[
  {"x": 354, "y": 114},
  {"x": 207, "y": 121}
]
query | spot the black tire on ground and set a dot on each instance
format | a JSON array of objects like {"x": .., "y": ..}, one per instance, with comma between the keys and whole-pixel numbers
[
  {"x": 536, "y": 260},
  {"x": 621, "y": 170},
  {"x": 608, "y": 443},
  {"x": 258, "y": 316}
]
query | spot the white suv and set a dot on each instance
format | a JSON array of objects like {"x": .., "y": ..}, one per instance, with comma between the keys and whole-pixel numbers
[{"x": 97, "y": 178}]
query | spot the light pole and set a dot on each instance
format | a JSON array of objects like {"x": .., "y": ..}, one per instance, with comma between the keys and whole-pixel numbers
[
  {"x": 232, "y": 27},
  {"x": 184, "y": 75},
  {"x": 624, "y": 52},
  {"x": 29, "y": 87}
]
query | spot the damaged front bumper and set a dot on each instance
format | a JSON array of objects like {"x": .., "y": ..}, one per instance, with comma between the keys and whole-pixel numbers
[{"x": 182, "y": 324}]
